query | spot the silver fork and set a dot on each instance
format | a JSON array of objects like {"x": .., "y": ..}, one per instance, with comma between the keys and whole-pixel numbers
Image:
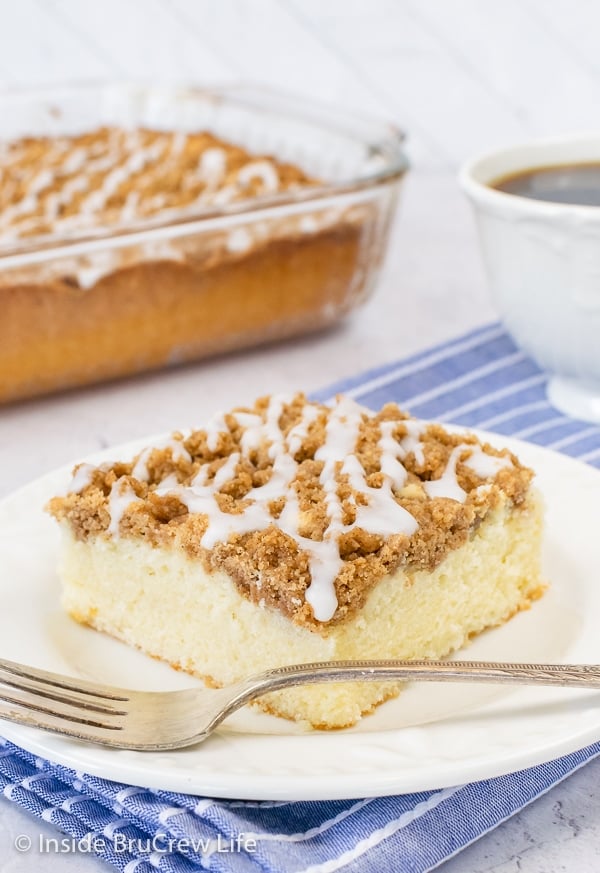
[{"x": 152, "y": 720}]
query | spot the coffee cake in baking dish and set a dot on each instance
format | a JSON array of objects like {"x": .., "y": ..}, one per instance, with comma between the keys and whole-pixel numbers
[{"x": 124, "y": 250}]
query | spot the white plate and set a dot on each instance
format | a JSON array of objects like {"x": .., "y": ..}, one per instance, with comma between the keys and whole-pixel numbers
[{"x": 432, "y": 736}]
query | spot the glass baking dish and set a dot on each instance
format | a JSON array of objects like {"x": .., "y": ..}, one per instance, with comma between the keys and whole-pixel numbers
[{"x": 84, "y": 304}]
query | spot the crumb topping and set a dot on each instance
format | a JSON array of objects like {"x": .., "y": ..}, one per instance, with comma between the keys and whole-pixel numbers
[
  {"x": 305, "y": 506},
  {"x": 118, "y": 175}
]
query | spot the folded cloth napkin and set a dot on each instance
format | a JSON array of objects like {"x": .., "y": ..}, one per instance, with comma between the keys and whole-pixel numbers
[{"x": 480, "y": 380}]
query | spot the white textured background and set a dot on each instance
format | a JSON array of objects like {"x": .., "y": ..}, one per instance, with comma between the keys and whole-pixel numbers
[{"x": 459, "y": 76}]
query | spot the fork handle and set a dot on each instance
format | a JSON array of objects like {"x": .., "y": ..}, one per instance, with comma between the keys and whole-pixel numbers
[{"x": 564, "y": 675}]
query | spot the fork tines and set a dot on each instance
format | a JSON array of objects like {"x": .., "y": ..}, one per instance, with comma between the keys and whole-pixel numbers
[{"x": 36, "y": 697}]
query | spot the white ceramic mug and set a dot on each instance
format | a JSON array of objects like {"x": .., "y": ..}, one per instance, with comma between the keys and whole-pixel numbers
[{"x": 543, "y": 261}]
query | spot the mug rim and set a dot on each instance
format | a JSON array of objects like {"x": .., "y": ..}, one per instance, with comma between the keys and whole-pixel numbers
[{"x": 476, "y": 183}]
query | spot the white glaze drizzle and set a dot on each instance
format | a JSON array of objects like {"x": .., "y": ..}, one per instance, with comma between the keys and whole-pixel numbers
[
  {"x": 130, "y": 206},
  {"x": 75, "y": 161},
  {"x": 222, "y": 197},
  {"x": 412, "y": 441},
  {"x": 43, "y": 180},
  {"x": 212, "y": 166},
  {"x": 447, "y": 485},
  {"x": 247, "y": 419},
  {"x": 178, "y": 452},
  {"x": 261, "y": 170},
  {"x": 82, "y": 477},
  {"x": 177, "y": 145},
  {"x": 485, "y": 465},
  {"x": 390, "y": 452},
  {"x": 383, "y": 515},
  {"x": 226, "y": 472},
  {"x": 170, "y": 481},
  {"x": 299, "y": 432},
  {"x": 214, "y": 427},
  {"x": 120, "y": 498}
]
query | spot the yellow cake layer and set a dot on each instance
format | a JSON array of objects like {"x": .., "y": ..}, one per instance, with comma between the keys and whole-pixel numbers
[{"x": 166, "y": 604}]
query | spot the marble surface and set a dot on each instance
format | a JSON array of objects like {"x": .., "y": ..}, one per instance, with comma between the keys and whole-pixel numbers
[{"x": 432, "y": 287}]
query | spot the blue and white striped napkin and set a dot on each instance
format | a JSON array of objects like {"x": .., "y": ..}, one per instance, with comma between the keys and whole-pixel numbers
[{"x": 480, "y": 380}]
